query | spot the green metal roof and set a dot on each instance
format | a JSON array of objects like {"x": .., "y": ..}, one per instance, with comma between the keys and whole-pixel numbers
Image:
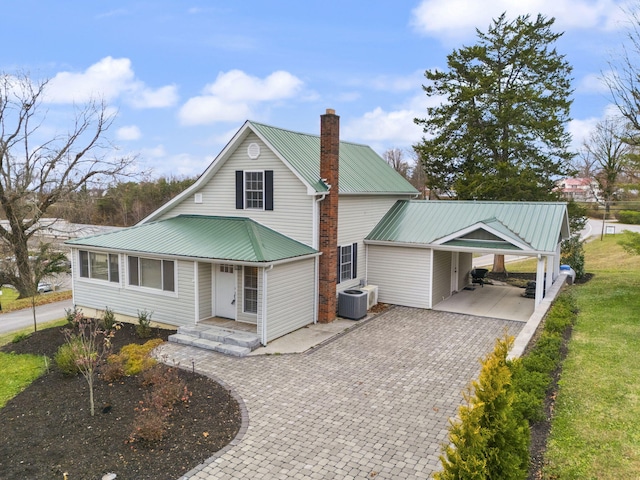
[
  {"x": 539, "y": 225},
  {"x": 361, "y": 169},
  {"x": 230, "y": 239}
]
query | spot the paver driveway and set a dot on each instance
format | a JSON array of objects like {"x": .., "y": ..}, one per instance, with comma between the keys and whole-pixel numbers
[{"x": 373, "y": 403}]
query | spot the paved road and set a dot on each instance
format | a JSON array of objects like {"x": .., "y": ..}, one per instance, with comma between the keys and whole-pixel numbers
[
  {"x": 374, "y": 403},
  {"x": 19, "y": 319}
]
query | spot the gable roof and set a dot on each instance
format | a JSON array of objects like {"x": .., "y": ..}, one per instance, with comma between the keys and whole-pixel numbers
[
  {"x": 231, "y": 239},
  {"x": 523, "y": 226},
  {"x": 361, "y": 170}
]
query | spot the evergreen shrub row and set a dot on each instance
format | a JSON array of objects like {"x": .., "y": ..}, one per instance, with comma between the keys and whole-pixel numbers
[
  {"x": 629, "y": 217},
  {"x": 490, "y": 438}
]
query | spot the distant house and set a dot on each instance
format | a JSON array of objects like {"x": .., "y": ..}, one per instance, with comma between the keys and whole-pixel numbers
[
  {"x": 579, "y": 189},
  {"x": 282, "y": 221}
]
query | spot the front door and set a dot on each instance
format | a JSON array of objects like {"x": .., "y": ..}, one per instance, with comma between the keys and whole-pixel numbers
[{"x": 225, "y": 292}]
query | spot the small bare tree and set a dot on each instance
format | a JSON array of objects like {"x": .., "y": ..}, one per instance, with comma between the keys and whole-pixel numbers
[
  {"x": 395, "y": 158},
  {"x": 607, "y": 153},
  {"x": 37, "y": 172}
]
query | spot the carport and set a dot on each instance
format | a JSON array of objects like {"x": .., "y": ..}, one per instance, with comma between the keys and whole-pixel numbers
[{"x": 420, "y": 254}]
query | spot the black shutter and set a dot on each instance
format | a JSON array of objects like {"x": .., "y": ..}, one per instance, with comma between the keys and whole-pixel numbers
[
  {"x": 354, "y": 260},
  {"x": 339, "y": 263},
  {"x": 239, "y": 190},
  {"x": 268, "y": 189}
]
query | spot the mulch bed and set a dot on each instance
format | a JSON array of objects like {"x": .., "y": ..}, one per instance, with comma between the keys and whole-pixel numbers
[{"x": 48, "y": 430}]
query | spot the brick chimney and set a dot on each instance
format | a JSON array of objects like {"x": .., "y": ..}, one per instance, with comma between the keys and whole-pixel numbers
[{"x": 328, "y": 275}]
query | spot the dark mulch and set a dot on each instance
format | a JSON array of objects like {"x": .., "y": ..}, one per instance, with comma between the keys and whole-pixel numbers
[{"x": 47, "y": 429}]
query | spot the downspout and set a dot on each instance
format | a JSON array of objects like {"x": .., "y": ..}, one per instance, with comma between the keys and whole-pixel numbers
[
  {"x": 316, "y": 243},
  {"x": 263, "y": 333},
  {"x": 196, "y": 293},
  {"x": 316, "y": 220},
  {"x": 74, "y": 256}
]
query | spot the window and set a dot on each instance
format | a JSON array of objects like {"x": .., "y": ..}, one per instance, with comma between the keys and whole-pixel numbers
[
  {"x": 347, "y": 262},
  {"x": 99, "y": 266},
  {"x": 254, "y": 189},
  {"x": 152, "y": 273},
  {"x": 251, "y": 289}
]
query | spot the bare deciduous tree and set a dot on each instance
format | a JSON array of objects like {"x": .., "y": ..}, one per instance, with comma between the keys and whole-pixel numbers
[
  {"x": 40, "y": 165},
  {"x": 606, "y": 154},
  {"x": 395, "y": 158}
]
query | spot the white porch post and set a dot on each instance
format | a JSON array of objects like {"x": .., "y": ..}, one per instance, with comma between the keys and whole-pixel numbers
[
  {"x": 263, "y": 333},
  {"x": 556, "y": 263},
  {"x": 550, "y": 270},
  {"x": 539, "y": 281}
]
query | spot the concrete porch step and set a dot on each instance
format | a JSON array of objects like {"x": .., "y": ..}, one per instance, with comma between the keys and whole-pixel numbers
[{"x": 223, "y": 340}]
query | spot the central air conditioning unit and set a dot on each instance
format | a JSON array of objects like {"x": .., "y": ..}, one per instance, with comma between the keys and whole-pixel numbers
[
  {"x": 352, "y": 304},
  {"x": 372, "y": 295}
]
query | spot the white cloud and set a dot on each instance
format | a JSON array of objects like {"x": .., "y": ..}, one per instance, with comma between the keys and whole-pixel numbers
[
  {"x": 580, "y": 129},
  {"x": 593, "y": 83},
  {"x": 108, "y": 79},
  {"x": 148, "y": 98},
  {"x": 458, "y": 19},
  {"x": 130, "y": 132},
  {"x": 234, "y": 95},
  {"x": 384, "y": 129}
]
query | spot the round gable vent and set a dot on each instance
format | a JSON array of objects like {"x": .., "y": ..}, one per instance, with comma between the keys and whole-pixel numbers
[{"x": 253, "y": 151}]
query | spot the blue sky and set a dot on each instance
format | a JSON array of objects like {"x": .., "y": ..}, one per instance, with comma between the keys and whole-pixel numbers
[{"x": 184, "y": 75}]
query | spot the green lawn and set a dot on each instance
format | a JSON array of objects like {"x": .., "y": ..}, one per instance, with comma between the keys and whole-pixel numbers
[
  {"x": 18, "y": 371},
  {"x": 596, "y": 429}
]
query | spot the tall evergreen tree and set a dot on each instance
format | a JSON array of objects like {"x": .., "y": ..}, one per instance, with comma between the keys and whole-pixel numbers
[{"x": 500, "y": 132}]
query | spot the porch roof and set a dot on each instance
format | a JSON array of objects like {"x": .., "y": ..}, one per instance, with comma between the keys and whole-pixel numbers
[
  {"x": 231, "y": 239},
  {"x": 524, "y": 226}
]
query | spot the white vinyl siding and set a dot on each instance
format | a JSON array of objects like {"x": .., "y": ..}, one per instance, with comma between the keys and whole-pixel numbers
[
  {"x": 401, "y": 274},
  {"x": 441, "y": 276},
  {"x": 292, "y": 214},
  {"x": 167, "y": 307},
  {"x": 291, "y": 298},
  {"x": 357, "y": 215},
  {"x": 205, "y": 291}
]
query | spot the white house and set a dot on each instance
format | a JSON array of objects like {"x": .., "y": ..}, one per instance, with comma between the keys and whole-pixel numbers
[{"x": 282, "y": 221}]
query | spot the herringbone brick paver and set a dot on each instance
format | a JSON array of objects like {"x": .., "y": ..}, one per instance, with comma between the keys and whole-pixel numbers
[{"x": 374, "y": 403}]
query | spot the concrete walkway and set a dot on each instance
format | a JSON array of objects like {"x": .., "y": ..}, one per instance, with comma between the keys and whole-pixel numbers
[{"x": 372, "y": 403}]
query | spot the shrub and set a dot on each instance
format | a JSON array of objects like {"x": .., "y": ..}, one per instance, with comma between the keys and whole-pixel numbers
[
  {"x": 629, "y": 217},
  {"x": 490, "y": 440},
  {"x": 150, "y": 421},
  {"x": 71, "y": 314},
  {"x": 167, "y": 389},
  {"x": 112, "y": 371},
  {"x": 109, "y": 319},
  {"x": 66, "y": 357},
  {"x": 143, "y": 329},
  {"x": 532, "y": 374},
  {"x": 135, "y": 358},
  {"x": 572, "y": 254}
]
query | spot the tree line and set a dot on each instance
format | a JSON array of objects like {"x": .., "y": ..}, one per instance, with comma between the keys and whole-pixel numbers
[{"x": 123, "y": 204}]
